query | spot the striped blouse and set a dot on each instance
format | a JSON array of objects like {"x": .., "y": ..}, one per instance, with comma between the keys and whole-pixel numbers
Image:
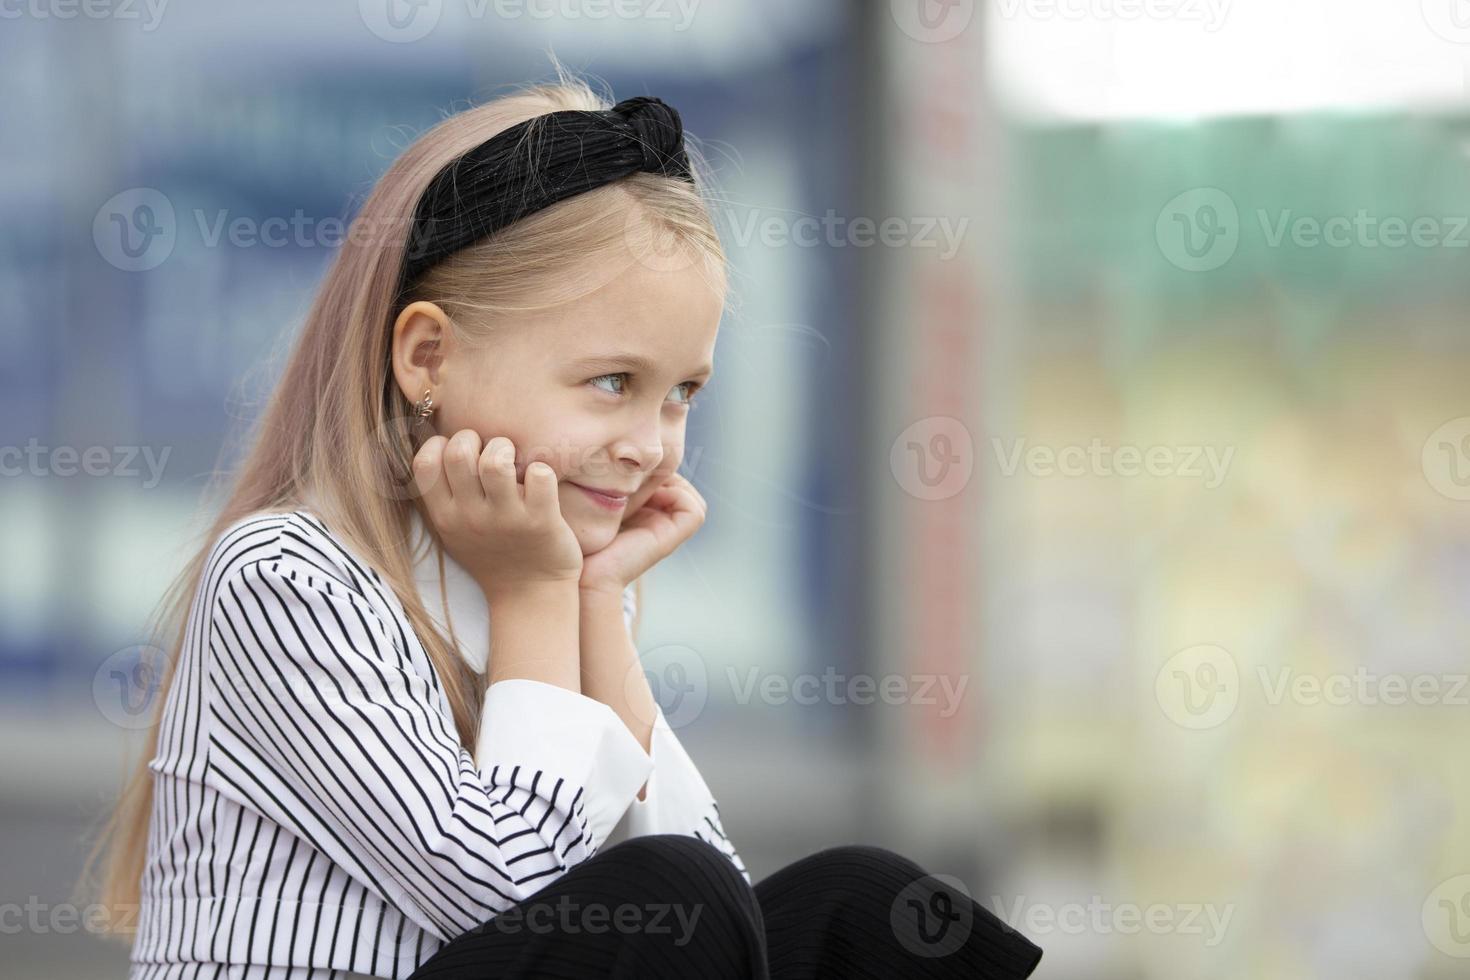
[{"x": 314, "y": 814}]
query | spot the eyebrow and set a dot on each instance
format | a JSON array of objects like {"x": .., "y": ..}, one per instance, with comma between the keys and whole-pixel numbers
[{"x": 632, "y": 362}]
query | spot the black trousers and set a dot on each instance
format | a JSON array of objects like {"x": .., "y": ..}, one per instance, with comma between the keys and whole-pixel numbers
[{"x": 669, "y": 905}]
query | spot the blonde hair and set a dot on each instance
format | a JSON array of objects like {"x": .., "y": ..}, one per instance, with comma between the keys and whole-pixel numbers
[{"x": 338, "y": 391}]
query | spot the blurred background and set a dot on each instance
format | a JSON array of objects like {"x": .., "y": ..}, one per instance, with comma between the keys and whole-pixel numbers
[{"x": 1088, "y": 457}]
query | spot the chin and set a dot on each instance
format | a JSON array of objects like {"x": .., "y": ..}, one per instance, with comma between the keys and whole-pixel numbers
[{"x": 594, "y": 539}]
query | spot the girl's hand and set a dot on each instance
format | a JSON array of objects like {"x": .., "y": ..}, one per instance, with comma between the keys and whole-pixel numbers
[
  {"x": 649, "y": 535},
  {"x": 505, "y": 534}
]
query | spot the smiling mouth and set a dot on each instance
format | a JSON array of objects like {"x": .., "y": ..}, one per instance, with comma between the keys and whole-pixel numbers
[{"x": 604, "y": 500}]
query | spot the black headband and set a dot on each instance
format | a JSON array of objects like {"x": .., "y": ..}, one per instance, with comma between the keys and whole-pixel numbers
[{"x": 534, "y": 164}]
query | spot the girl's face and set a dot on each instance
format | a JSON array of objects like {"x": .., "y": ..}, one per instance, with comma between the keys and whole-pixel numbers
[{"x": 597, "y": 387}]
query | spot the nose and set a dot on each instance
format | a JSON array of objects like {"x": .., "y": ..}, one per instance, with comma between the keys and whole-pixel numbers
[{"x": 641, "y": 447}]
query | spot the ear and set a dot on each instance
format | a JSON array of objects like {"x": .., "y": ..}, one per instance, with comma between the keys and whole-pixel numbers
[{"x": 421, "y": 339}]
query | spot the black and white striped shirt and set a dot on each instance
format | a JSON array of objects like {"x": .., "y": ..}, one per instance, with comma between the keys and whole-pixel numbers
[{"x": 314, "y": 814}]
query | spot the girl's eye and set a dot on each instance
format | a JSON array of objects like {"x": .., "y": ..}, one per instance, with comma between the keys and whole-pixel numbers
[
  {"x": 689, "y": 388},
  {"x": 621, "y": 378}
]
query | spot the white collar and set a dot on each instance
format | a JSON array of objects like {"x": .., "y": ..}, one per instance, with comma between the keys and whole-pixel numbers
[{"x": 468, "y": 611}]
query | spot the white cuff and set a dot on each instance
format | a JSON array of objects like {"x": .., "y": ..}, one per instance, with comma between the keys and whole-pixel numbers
[
  {"x": 564, "y": 735},
  {"x": 677, "y": 799}
]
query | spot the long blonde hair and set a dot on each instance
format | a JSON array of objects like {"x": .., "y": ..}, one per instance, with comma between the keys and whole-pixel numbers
[{"x": 338, "y": 391}]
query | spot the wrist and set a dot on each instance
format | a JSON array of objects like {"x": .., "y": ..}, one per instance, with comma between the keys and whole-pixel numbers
[
  {"x": 529, "y": 590},
  {"x": 535, "y": 633},
  {"x": 602, "y": 591}
]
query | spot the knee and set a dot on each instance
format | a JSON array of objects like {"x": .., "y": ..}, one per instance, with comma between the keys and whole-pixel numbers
[
  {"x": 697, "y": 881},
  {"x": 865, "y": 861},
  {"x": 843, "y": 875}
]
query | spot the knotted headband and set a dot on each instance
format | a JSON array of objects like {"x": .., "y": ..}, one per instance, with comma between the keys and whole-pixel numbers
[{"x": 533, "y": 164}]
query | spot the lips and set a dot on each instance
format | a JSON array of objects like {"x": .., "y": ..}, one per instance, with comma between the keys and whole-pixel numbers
[{"x": 608, "y": 499}]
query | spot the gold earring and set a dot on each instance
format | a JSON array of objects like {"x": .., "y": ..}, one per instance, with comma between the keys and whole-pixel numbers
[{"x": 423, "y": 408}]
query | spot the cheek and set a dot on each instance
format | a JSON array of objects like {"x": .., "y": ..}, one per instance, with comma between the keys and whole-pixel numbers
[
  {"x": 507, "y": 397},
  {"x": 573, "y": 448},
  {"x": 673, "y": 459},
  {"x": 567, "y": 432},
  {"x": 475, "y": 414}
]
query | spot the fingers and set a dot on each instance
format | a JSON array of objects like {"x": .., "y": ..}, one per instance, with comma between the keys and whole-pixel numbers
[
  {"x": 459, "y": 469},
  {"x": 461, "y": 457},
  {"x": 678, "y": 494},
  {"x": 541, "y": 496},
  {"x": 428, "y": 474},
  {"x": 673, "y": 512},
  {"x": 688, "y": 511},
  {"x": 497, "y": 473}
]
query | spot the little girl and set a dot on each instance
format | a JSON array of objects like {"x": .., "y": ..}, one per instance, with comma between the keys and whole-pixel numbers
[{"x": 354, "y": 774}]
